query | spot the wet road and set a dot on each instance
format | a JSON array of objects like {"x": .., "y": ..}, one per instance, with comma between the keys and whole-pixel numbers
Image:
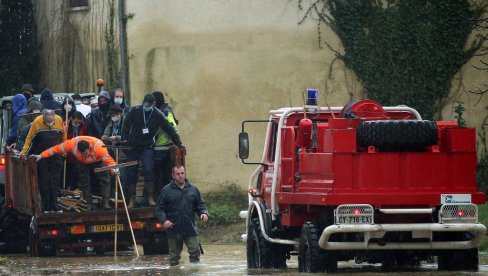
[{"x": 218, "y": 260}]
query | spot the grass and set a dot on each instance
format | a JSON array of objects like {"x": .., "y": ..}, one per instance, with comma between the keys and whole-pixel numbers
[{"x": 483, "y": 218}]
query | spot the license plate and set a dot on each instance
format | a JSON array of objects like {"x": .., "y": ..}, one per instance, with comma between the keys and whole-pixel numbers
[
  {"x": 354, "y": 220},
  {"x": 107, "y": 228}
]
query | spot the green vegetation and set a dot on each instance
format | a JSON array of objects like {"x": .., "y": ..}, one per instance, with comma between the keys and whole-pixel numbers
[
  {"x": 224, "y": 205},
  {"x": 18, "y": 48},
  {"x": 402, "y": 51},
  {"x": 483, "y": 218}
]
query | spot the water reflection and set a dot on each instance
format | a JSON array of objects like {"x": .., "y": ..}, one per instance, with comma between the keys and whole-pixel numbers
[{"x": 218, "y": 260}]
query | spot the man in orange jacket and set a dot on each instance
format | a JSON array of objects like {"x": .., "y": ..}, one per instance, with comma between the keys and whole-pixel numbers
[{"x": 89, "y": 153}]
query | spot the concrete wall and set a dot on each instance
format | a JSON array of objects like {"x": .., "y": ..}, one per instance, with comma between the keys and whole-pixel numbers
[{"x": 220, "y": 62}]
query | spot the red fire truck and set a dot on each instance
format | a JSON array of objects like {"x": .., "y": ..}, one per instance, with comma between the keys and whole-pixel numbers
[{"x": 365, "y": 182}]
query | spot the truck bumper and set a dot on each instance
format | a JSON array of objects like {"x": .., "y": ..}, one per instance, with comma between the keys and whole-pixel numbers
[{"x": 422, "y": 231}]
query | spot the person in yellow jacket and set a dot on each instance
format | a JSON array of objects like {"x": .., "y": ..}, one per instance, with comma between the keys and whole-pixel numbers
[
  {"x": 163, "y": 163},
  {"x": 46, "y": 131},
  {"x": 89, "y": 153}
]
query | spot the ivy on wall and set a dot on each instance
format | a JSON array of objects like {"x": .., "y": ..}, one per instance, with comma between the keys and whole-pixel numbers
[
  {"x": 402, "y": 51},
  {"x": 18, "y": 49}
]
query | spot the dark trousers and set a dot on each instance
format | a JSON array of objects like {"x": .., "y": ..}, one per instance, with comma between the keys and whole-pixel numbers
[
  {"x": 176, "y": 246},
  {"x": 84, "y": 179},
  {"x": 71, "y": 176},
  {"x": 162, "y": 170},
  {"x": 49, "y": 173},
  {"x": 144, "y": 156}
]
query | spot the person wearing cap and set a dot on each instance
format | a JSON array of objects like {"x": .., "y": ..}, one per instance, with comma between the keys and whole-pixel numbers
[
  {"x": 46, "y": 131},
  {"x": 139, "y": 129},
  {"x": 34, "y": 108},
  {"x": 98, "y": 119},
  {"x": 93, "y": 103},
  {"x": 27, "y": 90},
  {"x": 18, "y": 109},
  {"x": 68, "y": 108}
]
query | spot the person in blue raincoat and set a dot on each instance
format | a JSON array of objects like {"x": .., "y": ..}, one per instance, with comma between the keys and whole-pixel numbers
[
  {"x": 177, "y": 205},
  {"x": 18, "y": 109}
]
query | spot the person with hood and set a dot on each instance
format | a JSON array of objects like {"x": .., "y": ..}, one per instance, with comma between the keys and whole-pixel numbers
[
  {"x": 117, "y": 97},
  {"x": 34, "y": 108},
  {"x": 48, "y": 102},
  {"x": 162, "y": 157},
  {"x": 67, "y": 108},
  {"x": 99, "y": 118},
  {"x": 18, "y": 109},
  {"x": 27, "y": 90}
]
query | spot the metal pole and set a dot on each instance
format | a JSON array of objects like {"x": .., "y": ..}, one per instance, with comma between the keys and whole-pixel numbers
[{"x": 66, "y": 126}]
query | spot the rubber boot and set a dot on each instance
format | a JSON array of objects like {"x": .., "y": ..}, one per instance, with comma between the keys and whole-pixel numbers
[
  {"x": 45, "y": 208},
  {"x": 132, "y": 196},
  {"x": 87, "y": 195},
  {"x": 149, "y": 186},
  {"x": 54, "y": 203},
  {"x": 105, "y": 191}
]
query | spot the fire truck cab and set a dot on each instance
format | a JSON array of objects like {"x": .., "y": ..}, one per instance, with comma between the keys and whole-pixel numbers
[{"x": 365, "y": 182}]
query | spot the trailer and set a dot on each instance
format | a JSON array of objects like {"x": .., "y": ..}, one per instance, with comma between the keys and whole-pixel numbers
[
  {"x": 365, "y": 182},
  {"x": 46, "y": 234}
]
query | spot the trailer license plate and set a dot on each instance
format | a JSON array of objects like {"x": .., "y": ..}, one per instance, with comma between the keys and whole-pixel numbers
[
  {"x": 107, "y": 228},
  {"x": 354, "y": 220}
]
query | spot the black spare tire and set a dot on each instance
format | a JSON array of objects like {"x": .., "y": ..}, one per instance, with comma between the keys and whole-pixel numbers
[{"x": 397, "y": 135}]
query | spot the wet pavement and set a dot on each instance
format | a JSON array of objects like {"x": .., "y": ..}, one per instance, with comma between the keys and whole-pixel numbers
[{"x": 218, "y": 260}]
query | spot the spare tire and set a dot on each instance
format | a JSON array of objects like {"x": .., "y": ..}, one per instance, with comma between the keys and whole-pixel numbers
[{"x": 397, "y": 135}]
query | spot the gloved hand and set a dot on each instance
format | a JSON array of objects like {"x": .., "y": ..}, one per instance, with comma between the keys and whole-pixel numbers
[
  {"x": 117, "y": 171},
  {"x": 36, "y": 156}
]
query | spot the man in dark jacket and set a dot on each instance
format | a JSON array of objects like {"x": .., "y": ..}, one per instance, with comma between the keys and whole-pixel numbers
[
  {"x": 177, "y": 205},
  {"x": 140, "y": 128},
  {"x": 98, "y": 119},
  {"x": 117, "y": 96}
]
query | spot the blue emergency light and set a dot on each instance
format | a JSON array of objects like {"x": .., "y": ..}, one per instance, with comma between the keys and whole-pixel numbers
[{"x": 312, "y": 95}]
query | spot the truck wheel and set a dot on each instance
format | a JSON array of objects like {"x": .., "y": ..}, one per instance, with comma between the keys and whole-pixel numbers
[
  {"x": 258, "y": 250},
  {"x": 312, "y": 258},
  {"x": 157, "y": 244},
  {"x": 455, "y": 260},
  {"x": 397, "y": 135},
  {"x": 46, "y": 248}
]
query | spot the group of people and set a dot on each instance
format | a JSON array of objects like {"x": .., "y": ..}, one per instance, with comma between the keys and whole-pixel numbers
[{"x": 90, "y": 137}]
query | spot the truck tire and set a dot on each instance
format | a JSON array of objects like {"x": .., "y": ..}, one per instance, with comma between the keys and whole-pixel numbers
[
  {"x": 456, "y": 260},
  {"x": 397, "y": 135},
  {"x": 38, "y": 247},
  {"x": 312, "y": 258},
  {"x": 258, "y": 249},
  {"x": 157, "y": 244}
]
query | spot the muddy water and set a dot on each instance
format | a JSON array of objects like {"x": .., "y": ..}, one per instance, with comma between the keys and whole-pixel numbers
[{"x": 218, "y": 260}]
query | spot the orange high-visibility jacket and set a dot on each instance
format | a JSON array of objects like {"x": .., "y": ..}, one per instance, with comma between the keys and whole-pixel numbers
[{"x": 97, "y": 152}]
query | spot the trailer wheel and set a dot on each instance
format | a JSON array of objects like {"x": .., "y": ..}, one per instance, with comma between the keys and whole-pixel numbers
[
  {"x": 157, "y": 244},
  {"x": 397, "y": 135},
  {"x": 312, "y": 258},
  {"x": 455, "y": 260},
  {"x": 258, "y": 250}
]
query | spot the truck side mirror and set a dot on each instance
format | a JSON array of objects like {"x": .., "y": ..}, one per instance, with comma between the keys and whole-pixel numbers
[{"x": 243, "y": 145}]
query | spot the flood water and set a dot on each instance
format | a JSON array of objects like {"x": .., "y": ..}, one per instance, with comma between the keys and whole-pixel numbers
[{"x": 217, "y": 260}]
